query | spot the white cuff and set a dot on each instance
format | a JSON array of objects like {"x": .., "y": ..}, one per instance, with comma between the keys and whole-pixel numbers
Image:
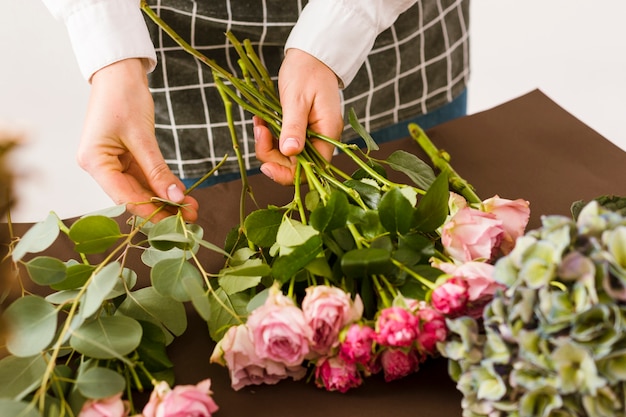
[{"x": 104, "y": 32}]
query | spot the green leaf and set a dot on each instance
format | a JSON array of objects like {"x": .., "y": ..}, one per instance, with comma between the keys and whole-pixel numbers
[
  {"x": 395, "y": 212},
  {"x": 99, "y": 288},
  {"x": 20, "y": 376},
  {"x": 148, "y": 305},
  {"x": 32, "y": 322},
  {"x": 99, "y": 382},
  {"x": 109, "y": 337},
  {"x": 13, "y": 408},
  {"x": 75, "y": 277},
  {"x": 363, "y": 133},
  {"x": 240, "y": 278},
  {"x": 113, "y": 211},
  {"x": 46, "y": 270},
  {"x": 171, "y": 232},
  {"x": 432, "y": 209},
  {"x": 332, "y": 215},
  {"x": 417, "y": 170},
  {"x": 38, "y": 238},
  {"x": 167, "y": 278},
  {"x": 94, "y": 234},
  {"x": 293, "y": 233},
  {"x": 369, "y": 193},
  {"x": 152, "y": 351},
  {"x": 360, "y": 263},
  {"x": 199, "y": 298},
  {"x": 221, "y": 318},
  {"x": 412, "y": 288},
  {"x": 262, "y": 226},
  {"x": 361, "y": 173},
  {"x": 286, "y": 266}
]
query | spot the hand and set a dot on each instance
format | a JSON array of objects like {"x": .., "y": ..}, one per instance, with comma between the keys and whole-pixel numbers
[
  {"x": 118, "y": 147},
  {"x": 309, "y": 95}
]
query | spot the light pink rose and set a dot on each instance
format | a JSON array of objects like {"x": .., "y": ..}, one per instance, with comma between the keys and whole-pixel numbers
[
  {"x": 433, "y": 329},
  {"x": 327, "y": 310},
  {"x": 357, "y": 345},
  {"x": 398, "y": 363},
  {"x": 471, "y": 235},
  {"x": 396, "y": 326},
  {"x": 279, "y": 330},
  {"x": 335, "y": 374},
  {"x": 514, "y": 215},
  {"x": 451, "y": 296},
  {"x": 236, "y": 351},
  {"x": 182, "y": 401},
  {"x": 105, "y": 407}
]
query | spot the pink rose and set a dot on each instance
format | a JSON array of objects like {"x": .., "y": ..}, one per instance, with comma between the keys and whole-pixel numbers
[
  {"x": 327, "y": 310},
  {"x": 279, "y": 330},
  {"x": 433, "y": 329},
  {"x": 398, "y": 363},
  {"x": 481, "y": 285},
  {"x": 450, "y": 297},
  {"x": 396, "y": 326},
  {"x": 471, "y": 235},
  {"x": 236, "y": 351},
  {"x": 357, "y": 346},
  {"x": 182, "y": 401},
  {"x": 334, "y": 374},
  {"x": 105, "y": 407},
  {"x": 514, "y": 215}
]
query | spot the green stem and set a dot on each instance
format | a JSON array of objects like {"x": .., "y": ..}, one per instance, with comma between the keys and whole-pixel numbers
[{"x": 441, "y": 160}]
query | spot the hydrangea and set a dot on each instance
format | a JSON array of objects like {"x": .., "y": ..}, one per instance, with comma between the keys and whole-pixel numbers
[{"x": 552, "y": 342}]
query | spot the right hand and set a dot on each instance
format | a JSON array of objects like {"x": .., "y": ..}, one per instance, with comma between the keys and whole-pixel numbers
[{"x": 118, "y": 146}]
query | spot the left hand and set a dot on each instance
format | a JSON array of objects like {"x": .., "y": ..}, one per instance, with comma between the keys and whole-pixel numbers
[{"x": 309, "y": 95}]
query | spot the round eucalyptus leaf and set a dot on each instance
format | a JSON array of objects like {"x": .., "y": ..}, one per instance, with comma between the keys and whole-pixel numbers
[
  {"x": 33, "y": 323},
  {"x": 167, "y": 278},
  {"x": 94, "y": 234},
  {"x": 75, "y": 277},
  {"x": 148, "y": 305},
  {"x": 199, "y": 298},
  {"x": 14, "y": 408},
  {"x": 107, "y": 337},
  {"x": 99, "y": 288},
  {"x": 172, "y": 233},
  {"x": 20, "y": 376},
  {"x": 46, "y": 270},
  {"x": 99, "y": 382},
  {"x": 37, "y": 238}
]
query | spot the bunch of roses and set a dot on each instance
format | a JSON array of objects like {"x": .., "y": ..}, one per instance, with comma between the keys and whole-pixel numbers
[
  {"x": 181, "y": 401},
  {"x": 473, "y": 239},
  {"x": 279, "y": 339}
]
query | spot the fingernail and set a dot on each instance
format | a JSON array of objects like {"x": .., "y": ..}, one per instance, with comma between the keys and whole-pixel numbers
[
  {"x": 289, "y": 144},
  {"x": 267, "y": 172},
  {"x": 257, "y": 133},
  {"x": 175, "y": 194}
]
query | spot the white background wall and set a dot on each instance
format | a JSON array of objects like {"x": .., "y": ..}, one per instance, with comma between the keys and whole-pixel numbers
[{"x": 573, "y": 50}]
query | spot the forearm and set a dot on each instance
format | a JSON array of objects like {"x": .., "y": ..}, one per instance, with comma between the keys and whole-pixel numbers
[
  {"x": 104, "y": 31},
  {"x": 341, "y": 33}
]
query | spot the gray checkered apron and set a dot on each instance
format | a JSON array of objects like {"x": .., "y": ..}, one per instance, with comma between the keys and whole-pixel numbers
[{"x": 417, "y": 65}]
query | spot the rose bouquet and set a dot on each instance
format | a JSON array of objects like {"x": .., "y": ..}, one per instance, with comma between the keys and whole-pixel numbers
[{"x": 551, "y": 343}]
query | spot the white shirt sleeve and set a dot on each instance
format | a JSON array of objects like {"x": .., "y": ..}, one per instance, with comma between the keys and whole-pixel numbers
[
  {"x": 341, "y": 33},
  {"x": 105, "y": 31}
]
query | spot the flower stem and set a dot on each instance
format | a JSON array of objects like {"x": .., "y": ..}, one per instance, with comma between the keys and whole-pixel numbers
[{"x": 441, "y": 160}]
